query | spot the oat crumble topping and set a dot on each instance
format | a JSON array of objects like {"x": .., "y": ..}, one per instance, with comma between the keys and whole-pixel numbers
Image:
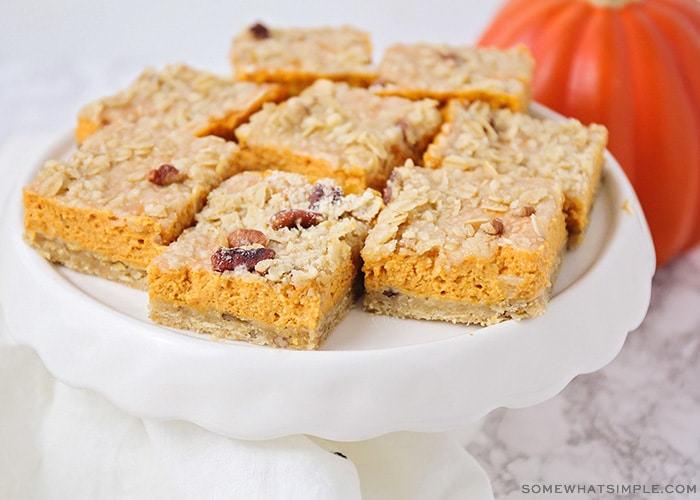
[
  {"x": 349, "y": 127},
  {"x": 323, "y": 51},
  {"x": 180, "y": 95},
  {"x": 450, "y": 214},
  {"x": 442, "y": 68},
  {"x": 110, "y": 171},
  {"x": 301, "y": 254}
]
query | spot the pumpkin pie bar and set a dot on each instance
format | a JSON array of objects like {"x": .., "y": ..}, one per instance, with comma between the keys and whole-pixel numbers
[
  {"x": 477, "y": 137},
  {"x": 296, "y": 57},
  {"x": 198, "y": 102},
  {"x": 334, "y": 130},
  {"x": 121, "y": 197},
  {"x": 501, "y": 77},
  {"x": 457, "y": 246},
  {"x": 272, "y": 260}
]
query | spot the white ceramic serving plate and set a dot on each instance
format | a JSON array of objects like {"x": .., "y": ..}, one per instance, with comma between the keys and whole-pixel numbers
[{"x": 374, "y": 375}]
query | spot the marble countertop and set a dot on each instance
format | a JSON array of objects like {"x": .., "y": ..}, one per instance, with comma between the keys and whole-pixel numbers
[
  {"x": 634, "y": 422},
  {"x": 625, "y": 431}
]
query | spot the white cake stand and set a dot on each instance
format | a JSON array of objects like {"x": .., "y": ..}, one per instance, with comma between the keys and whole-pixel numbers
[{"x": 374, "y": 375}]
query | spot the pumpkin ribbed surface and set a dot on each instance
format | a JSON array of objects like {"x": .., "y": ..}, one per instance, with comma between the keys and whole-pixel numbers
[{"x": 633, "y": 66}]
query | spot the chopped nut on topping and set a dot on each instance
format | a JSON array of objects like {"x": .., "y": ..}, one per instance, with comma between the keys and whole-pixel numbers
[
  {"x": 388, "y": 191},
  {"x": 401, "y": 123},
  {"x": 450, "y": 56},
  {"x": 246, "y": 237},
  {"x": 259, "y": 31},
  {"x": 228, "y": 259},
  {"x": 408, "y": 135},
  {"x": 321, "y": 191},
  {"x": 524, "y": 211},
  {"x": 386, "y": 194},
  {"x": 295, "y": 217},
  {"x": 493, "y": 227},
  {"x": 281, "y": 342},
  {"x": 165, "y": 175}
]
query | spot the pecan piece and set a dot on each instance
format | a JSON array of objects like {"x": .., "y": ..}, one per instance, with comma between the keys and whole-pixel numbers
[
  {"x": 295, "y": 217},
  {"x": 165, "y": 175},
  {"x": 246, "y": 237},
  {"x": 524, "y": 211},
  {"x": 388, "y": 192},
  {"x": 259, "y": 31},
  {"x": 493, "y": 227},
  {"x": 406, "y": 133},
  {"x": 403, "y": 125},
  {"x": 321, "y": 191},
  {"x": 228, "y": 259},
  {"x": 451, "y": 57}
]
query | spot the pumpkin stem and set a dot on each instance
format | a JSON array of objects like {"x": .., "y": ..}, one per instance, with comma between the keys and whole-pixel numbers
[{"x": 612, "y": 3}]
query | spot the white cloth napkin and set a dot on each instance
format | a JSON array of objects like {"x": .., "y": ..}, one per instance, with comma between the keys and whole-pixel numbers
[{"x": 58, "y": 442}]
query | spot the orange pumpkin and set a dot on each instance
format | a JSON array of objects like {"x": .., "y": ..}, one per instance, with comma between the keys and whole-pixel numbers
[{"x": 634, "y": 66}]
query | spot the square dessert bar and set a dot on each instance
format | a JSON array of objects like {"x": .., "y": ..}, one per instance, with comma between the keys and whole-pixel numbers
[
  {"x": 338, "y": 131},
  {"x": 296, "y": 57},
  {"x": 501, "y": 77},
  {"x": 272, "y": 260},
  {"x": 457, "y": 246},
  {"x": 118, "y": 200},
  {"x": 477, "y": 137},
  {"x": 198, "y": 102}
]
